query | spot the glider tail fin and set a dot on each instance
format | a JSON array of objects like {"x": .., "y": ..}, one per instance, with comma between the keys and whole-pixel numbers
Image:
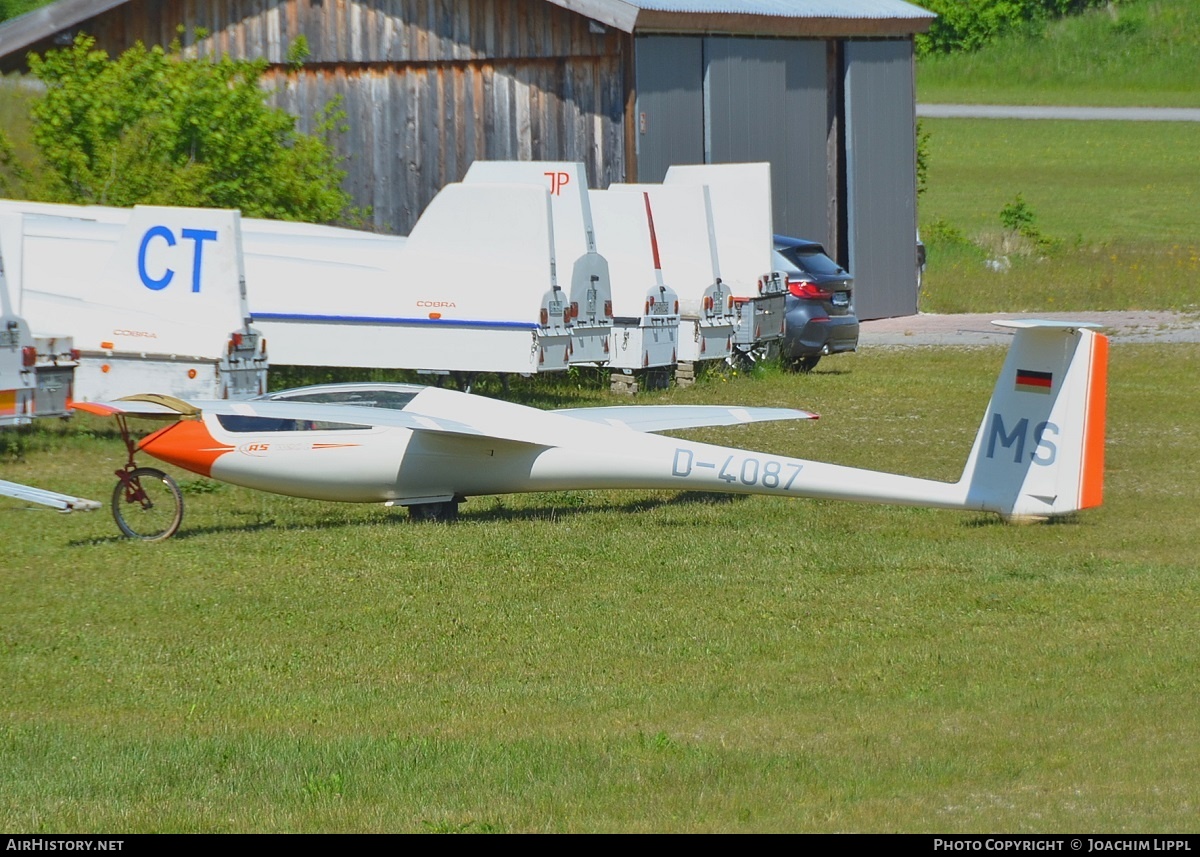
[{"x": 1040, "y": 449}]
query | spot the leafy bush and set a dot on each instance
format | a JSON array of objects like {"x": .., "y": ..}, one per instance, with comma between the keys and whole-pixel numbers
[
  {"x": 1018, "y": 218},
  {"x": 153, "y": 127},
  {"x": 968, "y": 26},
  {"x": 12, "y": 172}
]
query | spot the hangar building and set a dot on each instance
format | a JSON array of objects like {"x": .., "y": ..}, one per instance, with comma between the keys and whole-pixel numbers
[{"x": 823, "y": 89}]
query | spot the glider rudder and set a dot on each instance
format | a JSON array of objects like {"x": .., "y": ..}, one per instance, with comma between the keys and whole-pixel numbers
[{"x": 1039, "y": 452}]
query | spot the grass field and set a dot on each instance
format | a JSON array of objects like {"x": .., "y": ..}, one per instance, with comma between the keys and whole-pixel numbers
[
  {"x": 1118, "y": 204},
  {"x": 1142, "y": 54},
  {"x": 1115, "y": 205},
  {"x": 625, "y": 661},
  {"x": 649, "y": 661}
]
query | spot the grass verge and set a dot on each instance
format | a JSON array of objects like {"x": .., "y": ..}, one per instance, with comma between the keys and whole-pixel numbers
[
  {"x": 1138, "y": 54},
  {"x": 625, "y": 661},
  {"x": 1114, "y": 215}
]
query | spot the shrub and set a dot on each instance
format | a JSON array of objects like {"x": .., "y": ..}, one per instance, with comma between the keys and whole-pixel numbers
[{"x": 153, "y": 127}]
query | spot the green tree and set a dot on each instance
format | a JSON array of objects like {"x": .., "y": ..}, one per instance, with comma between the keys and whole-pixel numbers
[
  {"x": 153, "y": 127},
  {"x": 12, "y": 172},
  {"x": 922, "y": 158},
  {"x": 967, "y": 25}
]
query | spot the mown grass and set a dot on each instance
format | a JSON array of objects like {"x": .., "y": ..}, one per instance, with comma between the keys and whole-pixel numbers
[
  {"x": 1139, "y": 54},
  {"x": 1116, "y": 206},
  {"x": 625, "y": 661}
]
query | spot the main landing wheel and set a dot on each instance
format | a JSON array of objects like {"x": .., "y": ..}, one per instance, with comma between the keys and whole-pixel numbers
[
  {"x": 147, "y": 504},
  {"x": 447, "y": 511}
]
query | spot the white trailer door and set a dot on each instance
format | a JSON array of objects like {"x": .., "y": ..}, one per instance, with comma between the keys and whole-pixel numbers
[{"x": 167, "y": 282}]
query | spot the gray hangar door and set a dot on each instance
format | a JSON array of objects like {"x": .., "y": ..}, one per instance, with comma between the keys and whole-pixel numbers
[
  {"x": 881, "y": 177},
  {"x": 730, "y": 100},
  {"x": 767, "y": 101},
  {"x": 670, "y": 104}
]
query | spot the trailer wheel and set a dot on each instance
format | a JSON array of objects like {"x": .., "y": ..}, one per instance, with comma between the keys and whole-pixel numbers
[
  {"x": 465, "y": 381},
  {"x": 147, "y": 504}
]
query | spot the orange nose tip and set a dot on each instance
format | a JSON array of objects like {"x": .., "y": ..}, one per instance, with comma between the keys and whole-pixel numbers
[{"x": 185, "y": 444}]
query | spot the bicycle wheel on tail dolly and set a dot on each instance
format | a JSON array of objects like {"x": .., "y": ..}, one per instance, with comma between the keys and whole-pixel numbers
[{"x": 147, "y": 505}]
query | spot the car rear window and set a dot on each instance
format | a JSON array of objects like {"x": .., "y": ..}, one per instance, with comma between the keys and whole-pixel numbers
[{"x": 811, "y": 261}]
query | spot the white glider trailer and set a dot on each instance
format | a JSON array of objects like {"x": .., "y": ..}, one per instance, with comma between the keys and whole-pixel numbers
[
  {"x": 590, "y": 294},
  {"x": 744, "y": 227},
  {"x": 687, "y": 247},
  {"x": 472, "y": 289},
  {"x": 153, "y": 297},
  {"x": 37, "y": 371},
  {"x": 623, "y": 315},
  {"x": 645, "y": 335}
]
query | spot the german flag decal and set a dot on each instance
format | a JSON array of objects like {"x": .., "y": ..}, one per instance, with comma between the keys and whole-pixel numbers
[{"x": 1029, "y": 381}]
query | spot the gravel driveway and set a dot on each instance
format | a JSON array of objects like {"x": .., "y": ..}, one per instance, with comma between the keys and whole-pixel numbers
[{"x": 976, "y": 328}]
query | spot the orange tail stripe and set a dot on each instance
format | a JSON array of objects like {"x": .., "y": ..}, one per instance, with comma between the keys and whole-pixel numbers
[
  {"x": 185, "y": 444},
  {"x": 1092, "y": 484}
]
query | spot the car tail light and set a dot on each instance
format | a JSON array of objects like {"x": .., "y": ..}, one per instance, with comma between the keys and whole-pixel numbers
[
  {"x": 28, "y": 355},
  {"x": 574, "y": 309},
  {"x": 75, "y": 354},
  {"x": 808, "y": 291},
  {"x": 544, "y": 316},
  {"x": 608, "y": 308}
]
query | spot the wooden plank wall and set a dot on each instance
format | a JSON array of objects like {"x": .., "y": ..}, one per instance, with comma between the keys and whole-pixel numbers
[
  {"x": 415, "y": 128},
  {"x": 428, "y": 86}
]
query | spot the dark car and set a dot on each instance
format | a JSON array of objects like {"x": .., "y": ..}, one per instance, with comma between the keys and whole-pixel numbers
[{"x": 818, "y": 315}]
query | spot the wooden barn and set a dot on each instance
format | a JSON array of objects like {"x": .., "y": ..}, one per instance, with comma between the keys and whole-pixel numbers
[{"x": 823, "y": 89}]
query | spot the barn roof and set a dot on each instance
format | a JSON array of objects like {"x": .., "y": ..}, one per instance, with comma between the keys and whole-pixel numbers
[
  {"x": 738, "y": 17},
  {"x": 758, "y": 17},
  {"x": 25, "y": 30}
]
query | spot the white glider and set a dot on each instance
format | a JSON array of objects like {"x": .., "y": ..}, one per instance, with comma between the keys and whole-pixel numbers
[{"x": 1039, "y": 452}]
